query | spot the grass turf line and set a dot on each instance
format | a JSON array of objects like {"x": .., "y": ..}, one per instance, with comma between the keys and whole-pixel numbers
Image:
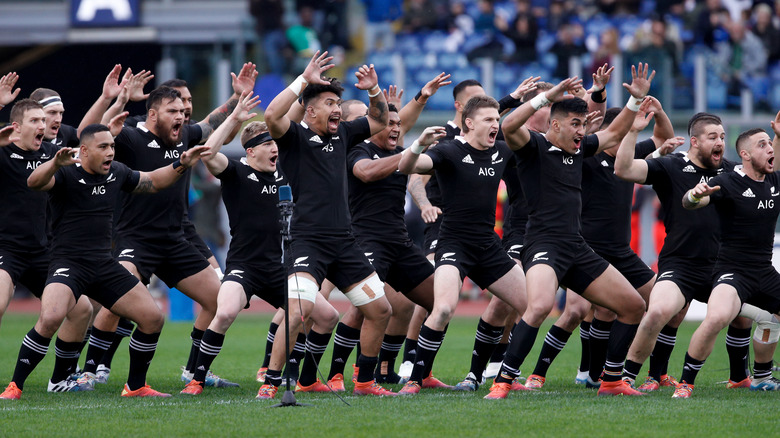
[{"x": 560, "y": 407}]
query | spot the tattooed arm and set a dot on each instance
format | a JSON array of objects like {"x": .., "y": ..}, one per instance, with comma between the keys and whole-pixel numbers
[
  {"x": 377, "y": 106},
  {"x": 166, "y": 176}
]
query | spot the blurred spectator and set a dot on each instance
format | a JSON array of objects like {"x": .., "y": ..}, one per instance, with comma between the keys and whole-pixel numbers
[
  {"x": 422, "y": 15},
  {"x": 711, "y": 23},
  {"x": 766, "y": 31},
  {"x": 487, "y": 42},
  {"x": 380, "y": 15},
  {"x": 336, "y": 32},
  {"x": 460, "y": 25},
  {"x": 568, "y": 44},
  {"x": 740, "y": 59},
  {"x": 674, "y": 7},
  {"x": 656, "y": 41},
  {"x": 303, "y": 38},
  {"x": 523, "y": 31},
  {"x": 608, "y": 47},
  {"x": 618, "y": 7},
  {"x": 737, "y": 7},
  {"x": 270, "y": 28},
  {"x": 559, "y": 15}
]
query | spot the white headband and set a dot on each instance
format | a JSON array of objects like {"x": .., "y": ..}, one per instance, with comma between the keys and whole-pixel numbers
[{"x": 50, "y": 101}]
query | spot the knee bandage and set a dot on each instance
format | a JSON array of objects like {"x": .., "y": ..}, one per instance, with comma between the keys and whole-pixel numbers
[
  {"x": 301, "y": 288},
  {"x": 366, "y": 291},
  {"x": 767, "y": 328}
]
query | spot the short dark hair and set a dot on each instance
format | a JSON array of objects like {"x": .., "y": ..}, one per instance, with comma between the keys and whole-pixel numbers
[
  {"x": 475, "y": 104},
  {"x": 609, "y": 117},
  {"x": 174, "y": 83},
  {"x": 699, "y": 121},
  {"x": 345, "y": 107},
  {"x": 391, "y": 108},
  {"x": 22, "y": 106},
  {"x": 91, "y": 130},
  {"x": 42, "y": 93},
  {"x": 568, "y": 106},
  {"x": 745, "y": 136},
  {"x": 159, "y": 94},
  {"x": 312, "y": 91},
  {"x": 463, "y": 85},
  {"x": 540, "y": 88}
]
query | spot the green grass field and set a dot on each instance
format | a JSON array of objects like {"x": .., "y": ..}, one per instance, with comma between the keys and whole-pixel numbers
[{"x": 561, "y": 408}]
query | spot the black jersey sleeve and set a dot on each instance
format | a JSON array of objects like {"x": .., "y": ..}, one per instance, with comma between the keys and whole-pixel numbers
[
  {"x": 438, "y": 154},
  {"x": 531, "y": 147},
  {"x": 359, "y": 152},
  {"x": 722, "y": 182},
  {"x": 195, "y": 134},
  {"x": 290, "y": 137},
  {"x": 590, "y": 145},
  {"x": 131, "y": 177},
  {"x": 356, "y": 131},
  {"x": 656, "y": 171},
  {"x": 122, "y": 145},
  {"x": 229, "y": 172},
  {"x": 644, "y": 148}
]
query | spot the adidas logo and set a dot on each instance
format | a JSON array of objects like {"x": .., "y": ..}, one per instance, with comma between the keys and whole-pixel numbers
[
  {"x": 339, "y": 360},
  {"x": 376, "y": 157},
  {"x": 25, "y": 361},
  {"x": 421, "y": 363},
  {"x": 546, "y": 360},
  {"x": 467, "y": 159},
  {"x": 474, "y": 353},
  {"x": 17, "y": 156},
  {"x": 253, "y": 177},
  {"x": 82, "y": 181},
  {"x": 689, "y": 169},
  {"x": 553, "y": 149},
  {"x": 316, "y": 139},
  {"x": 604, "y": 163},
  {"x": 91, "y": 362},
  {"x": 748, "y": 194},
  {"x": 153, "y": 144},
  {"x": 202, "y": 368}
]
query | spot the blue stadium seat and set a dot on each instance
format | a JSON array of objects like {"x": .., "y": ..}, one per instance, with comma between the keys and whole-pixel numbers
[
  {"x": 435, "y": 42},
  {"x": 774, "y": 96},
  {"x": 414, "y": 61},
  {"x": 451, "y": 61},
  {"x": 408, "y": 43}
]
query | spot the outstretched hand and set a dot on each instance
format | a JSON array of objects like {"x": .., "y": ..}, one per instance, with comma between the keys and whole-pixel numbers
[
  {"x": 117, "y": 122},
  {"x": 192, "y": 155},
  {"x": 112, "y": 86},
  {"x": 643, "y": 116},
  {"x": 393, "y": 95},
  {"x": 431, "y": 135},
  {"x": 318, "y": 65},
  {"x": 367, "y": 78},
  {"x": 7, "y": 136},
  {"x": 670, "y": 145},
  {"x": 434, "y": 84},
  {"x": 557, "y": 93},
  {"x": 525, "y": 87},
  {"x": 702, "y": 189},
  {"x": 246, "y": 103},
  {"x": 7, "y": 92},
  {"x": 66, "y": 157},
  {"x": 245, "y": 81},
  {"x": 136, "y": 83},
  {"x": 776, "y": 124},
  {"x": 601, "y": 77},
  {"x": 640, "y": 81}
]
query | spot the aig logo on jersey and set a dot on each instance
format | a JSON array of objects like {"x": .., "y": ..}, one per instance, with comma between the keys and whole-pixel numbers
[
  {"x": 32, "y": 165},
  {"x": 568, "y": 160},
  {"x": 99, "y": 190},
  {"x": 171, "y": 154}
]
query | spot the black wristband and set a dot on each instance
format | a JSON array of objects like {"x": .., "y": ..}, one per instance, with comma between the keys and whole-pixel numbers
[
  {"x": 599, "y": 96},
  {"x": 178, "y": 166},
  {"x": 508, "y": 102},
  {"x": 418, "y": 96}
]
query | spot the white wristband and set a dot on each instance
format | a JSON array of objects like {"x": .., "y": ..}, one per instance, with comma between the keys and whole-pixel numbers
[
  {"x": 416, "y": 148},
  {"x": 656, "y": 154},
  {"x": 539, "y": 101},
  {"x": 379, "y": 90},
  {"x": 297, "y": 85},
  {"x": 633, "y": 103},
  {"x": 693, "y": 199}
]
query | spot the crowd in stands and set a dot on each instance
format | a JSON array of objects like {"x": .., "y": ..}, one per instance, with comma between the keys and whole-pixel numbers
[{"x": 740, "y": 38}]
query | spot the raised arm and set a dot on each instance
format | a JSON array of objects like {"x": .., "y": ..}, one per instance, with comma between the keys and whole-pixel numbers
[
  {"x": 164, "y": 177},
  {"x": 412, "y": 161},
  {"x": 42, "y": 178},
  {"x": 698, "y": 196},
  {"x": 640, "y": 85},
  {"x": 7, "y": 92},
  {"x": 597, "y": 95},
  {"x": 276, "y": 113},
  {"x": 133, "y": 91},
  {"x": 111, "y": 89},
  {"x": 368, "y": 170},
  {"x": 515, "y": 133},
  {"x": 7, "y": 136},
  {"x": 216, "y": 162},
  {"x": 244, "y": 81},
  {"x": 776, "y": 128},
  {"x": 626, "y": 166},
  {"x": 416, "y": 188},
  {"x": 377, "y": 105},
  {"x": 412, "y": 110},
  {"x": 663, "y": 129}
]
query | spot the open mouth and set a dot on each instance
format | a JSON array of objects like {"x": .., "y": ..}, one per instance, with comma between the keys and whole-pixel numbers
[
  {"x": 187, "y": 117},
  {"x": 39, "y": 138},
  {"x": 333, "y": 122},
  {"x": 492, "y": 136},
  {"x": 273, "y": 159},
  {"x": 393, "y": 138},
  {"x": 577, "y": 143},
  {"x": 717, "y": 155},
  {"x": 176, "y": 130},
  {"x": 771, "y": 162},
  {"x": 106, "y": 165}
]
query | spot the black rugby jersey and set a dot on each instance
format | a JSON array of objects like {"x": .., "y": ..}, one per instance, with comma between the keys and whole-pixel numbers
[
  {"x": 748, "y": 212},
  {"x": 607, "y": 201},
  {"x": 23, "y": 213},
  {"x": 316, "y": 166},
  {"x": 67, "y": 137},
  {"x": 516, "y": 213},
  {"x": 469, "y": 180},
  {"x": 551, "y": 180},
  {"x": 251, "y": 199},
  {"x": 377, "y": 207},
  {"x": 157, "y": 215},
  {"x": 692, "y": 235},
  {"x": 83, "y": 208}
]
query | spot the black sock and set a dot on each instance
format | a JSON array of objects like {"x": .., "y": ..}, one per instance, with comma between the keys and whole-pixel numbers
[
  {"x": 428, "y": 344},
  {"x": 269, "y": 343},
  {"x": 631, "y": 369},
  {"x": 32, "y": 352},
  {"x": 738, "y": 348},
  {"x": 343, "y": 343},
  {"x": 554, "y": 342},
  {"x": 316, "y": 344},
  {"x": 585, "y": 341},
  {"x": 410, "y": 350},
  {"x": 599, "y": 340},
  {"x": 86, "y": 339},
  {"x": 67, "y": 355},
  {"x": 196, "y": 335},
  {"x": 485, "y": 340},
  {"x": 664, "y": 345},
  {"x": 690, "y": 369},
  {"x": 296, "y": 357},
  {"x": 210, "y": 346},
  {"x": 620, "y": 338},
  {"x": 367, "y": 366},
  {"x": 385, "y": 370},
  {"x": 142, "y": 348},
  {"x": 274, "y": 377},
  {"x": 762, "y": 370},
  {"x": 99, "y": 342},
  {"x": 123, "y": 330},
  {"x": 499, "y": 352},
  {"x": 523, "y": 338}
]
